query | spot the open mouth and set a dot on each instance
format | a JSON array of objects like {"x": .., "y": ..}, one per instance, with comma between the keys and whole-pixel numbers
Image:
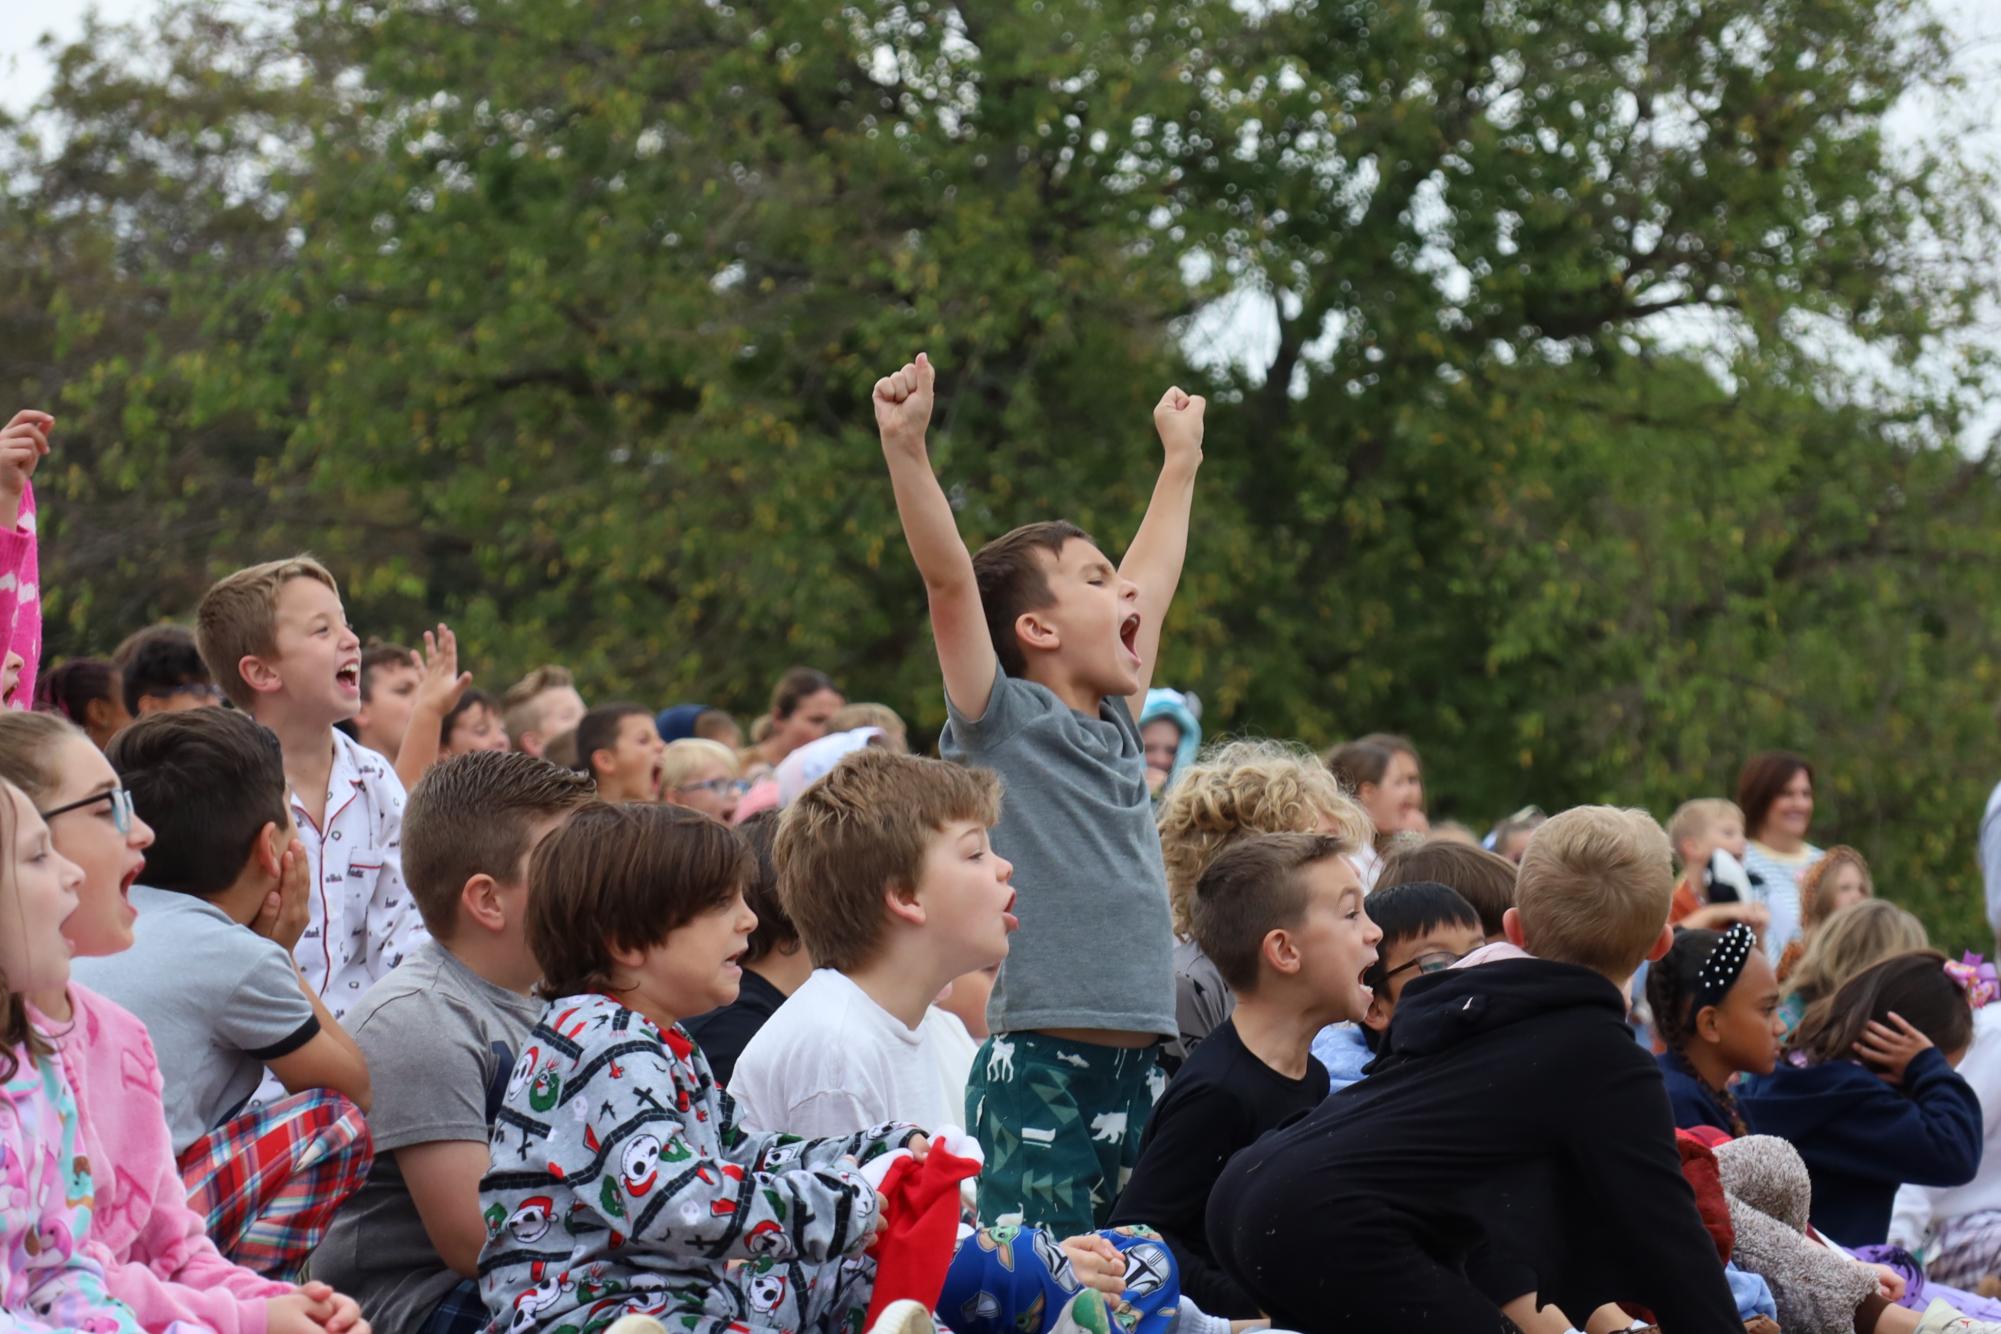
[
  {"x": 129, "y": 879},
  {"x": 349, "y": 677},
  {"x": 1129, "y": 635},
  {"x": 734, "y": 963},
  {"x": 1008, "y": 918}
]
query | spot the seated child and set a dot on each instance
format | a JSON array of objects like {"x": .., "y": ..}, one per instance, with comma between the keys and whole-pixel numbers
[
  {"x": 1851, "y": 940},
  {"x": 1426, "y": 929},
  {"x": 87, "y": 691},
  {"x": 155, "y": 1252},
  {"x": 774, "y": 966},
  {"x": 1839, "y": 878},
  {"x": 441, "y": 1034},
  {"x": 1869, "y": 1096},
  {"x": 1716, "y": 1009},
  {"x": 48, "y": 1278},
  {"x": 885, "y": 867},
  {"x": 1513, "y": 1114},
  {"x": 1233, "y": 791},
  {"x": 1699, "y": 830},
  {"x": 541, "y": 706},
  {"x": 621, "y": 1181},
  {"x": 164, "y": 672},
  {"x": 1484, "y": 879},
  {"x": 1281, "y": 917},
  {"x": 1957, "y": 1229},
  {"x": 619, "y": 746},
  {"x": 701, "y": 775},
  {"x": 227, "y": 885}
]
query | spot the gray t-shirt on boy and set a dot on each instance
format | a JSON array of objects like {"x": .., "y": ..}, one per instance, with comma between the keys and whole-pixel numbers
[
  {"x": 1095, "y": 948},
  {"x": 441, "y": 1043},
  {"x": 218, "y": 1000}
]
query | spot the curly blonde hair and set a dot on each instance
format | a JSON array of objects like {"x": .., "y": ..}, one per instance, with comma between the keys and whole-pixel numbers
[{"x": 1239, "y": 788}]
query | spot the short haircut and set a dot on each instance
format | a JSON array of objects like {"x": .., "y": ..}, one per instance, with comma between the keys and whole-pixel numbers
[
  {"x": 73, "y": 687},
  {"x": 472, "y": 815},
  {"x": 1407, "y": 911},
  {"x": 164, "y": 661},
  {"x": 28, "y": 744},
  {"x": 471, "y": 698},
  {"x": 1240, "y": 788},
  {"x": 208, "y": 781},
  {"x": 715, "y": 724},
  {"x": 1694, "y": 818},
  {"x": 599, "y": 730},
  {"x": 624, "y": 877},
  {"x": 1014, "y": 580},
  {"x": 850, "y": 717},
  {"x": 561, "y": 749},
  {"x": 774, "y": 931},
  {"x": 1764, "y": 777},
  {"x": 238, "y": 618},
  {"x": 1594, "y": 888},
  {"x": 1252, "y": 888},
  {"x": 796, "y": 687},
  {"x": 1484, "y": 879},
  {"x": 864, "y": 829},
  {"x": 375, "y": 657},
  {"x": 691, "y": 755},
  {"x": 521, "y": 706}
]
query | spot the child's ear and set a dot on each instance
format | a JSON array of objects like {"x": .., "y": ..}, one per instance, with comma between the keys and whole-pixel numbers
[
  {"x": 259, "y": 675},
  {"x": 480, "y": 898},
  {"x": 1662, "y": 944},
  {"x": 1511, "y": 927},
  {"x": 903, "y": 905},
  {"x": 1036, "y": 633},
  {"x": 1705, "y": 1024},
  {"x": 1377, "y": 1016},
  {"x": 1280, "y": 952},
  {"x": 268, "y": 851}
]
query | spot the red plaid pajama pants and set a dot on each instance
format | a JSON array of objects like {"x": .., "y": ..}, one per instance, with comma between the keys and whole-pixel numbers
[{"x": 271, "y": 1180}]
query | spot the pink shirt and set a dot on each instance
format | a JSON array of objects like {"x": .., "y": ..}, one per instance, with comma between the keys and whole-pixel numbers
[
  {"x": 154, "y": 1249},
  {"x": 21, "y": 598}
]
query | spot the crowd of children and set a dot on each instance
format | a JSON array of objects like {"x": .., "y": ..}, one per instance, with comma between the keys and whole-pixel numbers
[{"x": 342, "y": 994}]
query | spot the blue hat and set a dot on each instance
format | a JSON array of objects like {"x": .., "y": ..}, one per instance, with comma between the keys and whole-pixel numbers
[{"x": 678, "y": 723}]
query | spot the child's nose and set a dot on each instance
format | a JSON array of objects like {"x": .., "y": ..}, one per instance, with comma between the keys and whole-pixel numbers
[{"x": 1006, "y": 869}]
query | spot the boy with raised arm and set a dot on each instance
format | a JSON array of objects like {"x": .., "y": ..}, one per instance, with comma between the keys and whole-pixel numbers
[{"x": 1046, "y": 651}]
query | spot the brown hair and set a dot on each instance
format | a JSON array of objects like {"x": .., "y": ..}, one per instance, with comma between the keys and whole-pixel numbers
[
  {"x": 797, "y": 686},
  {"x": 375, "y": 656},
  {"x": 1913, "y": 985},
  {"x": 1482, "y": 878},
  {"x": 600, "y": 728},
  {"x": 1764, "y": 777},
  {"x": 1253, "y": 888},
  {"x": 860, "y": 830},
  {"x": 1241, "y": 788},
  {"x": 71, "y": 688},
  {"x": 1014, "y": 581},
  {"x": 519, "y": 709},
  {"x": 28, "y": 744},
  {"x": 624, "y": 877},
  {"x": 237, "y": 618},
  {"x": 471, "y": 815},
  {"x": 774, "y": 931},
  {"x": 208, "y": 781},
  {"x": 1814, "y": 909},
  {"x": 1848, "y": 942},
  {"x": 1594, "y": 888},
  {"x": 17, "y": 1030}
]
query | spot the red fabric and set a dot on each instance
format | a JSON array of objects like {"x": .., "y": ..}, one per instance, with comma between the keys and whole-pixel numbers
[
  {"x": 1698, "y": 1164},
  {"x": 920, "y": 1229}
]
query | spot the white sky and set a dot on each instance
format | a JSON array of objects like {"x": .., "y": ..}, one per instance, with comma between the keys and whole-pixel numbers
[{"x": 1243, "y": 329}]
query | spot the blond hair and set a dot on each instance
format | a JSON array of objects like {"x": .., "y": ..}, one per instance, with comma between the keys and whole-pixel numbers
[
  {"x": 690, "y": 755},
  {"x": 1850, "y": 941},
  {"x": 1248, "y": 787},
  {"x": 520, "y": 707},
  {"x": 1594, "y": 889},
  {"x": 1691, "y": 818},
  {"x": 864, "y": 829},
  {"x": 849, "y": 717},
  {"x": 238, "y": 619}
]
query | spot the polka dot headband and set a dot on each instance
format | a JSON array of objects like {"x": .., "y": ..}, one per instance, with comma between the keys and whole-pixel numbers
[{"x": 1725, "y": 964}]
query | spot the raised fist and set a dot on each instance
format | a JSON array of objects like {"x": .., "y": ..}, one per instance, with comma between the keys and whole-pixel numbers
[
  {"x": 1178, "y": 418},
  {"x": 903, "y": 404}
]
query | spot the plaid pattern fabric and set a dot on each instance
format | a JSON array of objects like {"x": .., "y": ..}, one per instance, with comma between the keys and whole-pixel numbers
[
  {"x": 270, "y": 1181},
  {"x": 461, "y": 1312}
]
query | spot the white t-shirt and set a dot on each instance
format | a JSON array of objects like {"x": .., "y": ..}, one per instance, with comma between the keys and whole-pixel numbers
[
  {"x": 1990, "y": 856},
  {"x": 1920, "y": 1210},
  {"x": 832, "y": 1062}
]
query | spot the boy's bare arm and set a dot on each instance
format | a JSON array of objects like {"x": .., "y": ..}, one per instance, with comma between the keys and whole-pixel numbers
[
  {"x": 958, "y": 621},
  {"x": 331, "y": 1060},
  {"x": 1153, "y": 561}
]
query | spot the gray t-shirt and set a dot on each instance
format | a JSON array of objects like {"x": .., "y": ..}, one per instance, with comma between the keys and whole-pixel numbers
[
  {"x": 441, "y": 1042},
  {"x": 1095, "y": 948},
  {"x": 218, "y": 999}
]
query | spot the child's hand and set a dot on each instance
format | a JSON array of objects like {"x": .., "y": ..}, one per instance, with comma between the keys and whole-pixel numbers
[
  {"x": 1892, "y": 1046},
  {"x": 287, "y": 908},
  {"x": 903, "y": 406},
  {"x": 1097, "y": 1264},
  {"x": 23, "y": 444},
  {"x": 1890, "y": 1284},
  {"x": 297, "y": 1313},
  {"x": 919, "y": 1146},
  {"x": 443, "y": 683},
  {"x": 10, "y": 677},
  {"x": 1178, "y": 418}
]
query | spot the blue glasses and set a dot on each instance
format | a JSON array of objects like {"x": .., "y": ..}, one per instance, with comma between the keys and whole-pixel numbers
[{"x": 121, "y": 808}]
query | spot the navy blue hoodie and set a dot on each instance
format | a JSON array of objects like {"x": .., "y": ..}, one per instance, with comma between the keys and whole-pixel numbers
[
  {"x": 1861, "y": 1138},
  {"x": 1512, "y": 1138}
]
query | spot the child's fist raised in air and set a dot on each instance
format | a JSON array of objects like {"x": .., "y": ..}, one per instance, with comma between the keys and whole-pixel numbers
[
  {"x": 23, "y": 443},
  {"x": 1178, "y": 418},
  {"x": 903, "y": 405}
]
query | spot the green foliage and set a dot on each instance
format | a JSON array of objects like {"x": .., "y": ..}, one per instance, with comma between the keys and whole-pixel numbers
[{"x": 558, "y": 321}]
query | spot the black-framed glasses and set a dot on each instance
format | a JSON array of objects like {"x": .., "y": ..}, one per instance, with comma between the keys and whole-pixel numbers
[
  {"x": 121, "y": 808},
  {"x": 1432, "y": 961}
]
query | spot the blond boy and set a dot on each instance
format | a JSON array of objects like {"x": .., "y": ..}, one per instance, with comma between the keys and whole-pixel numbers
[
  {"x": 277, "y": 639},
  {"x": 1513, "y": 1141},
  {"x": 1700, "y": 829},
  {"x": 540, "y": 707}
]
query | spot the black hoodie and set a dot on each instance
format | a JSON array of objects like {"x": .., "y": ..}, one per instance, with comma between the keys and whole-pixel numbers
[{"x": 1512, "y": 1138}]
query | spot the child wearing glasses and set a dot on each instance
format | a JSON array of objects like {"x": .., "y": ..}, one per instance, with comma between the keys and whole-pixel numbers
[
  {"x": 211, "y": 974},
  {"x": 1281, "y": 917},
  {"x": 701, "y": 775},
  {"x": 1426, "y": 929},
  {"x": 153, "y": 1248}
]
